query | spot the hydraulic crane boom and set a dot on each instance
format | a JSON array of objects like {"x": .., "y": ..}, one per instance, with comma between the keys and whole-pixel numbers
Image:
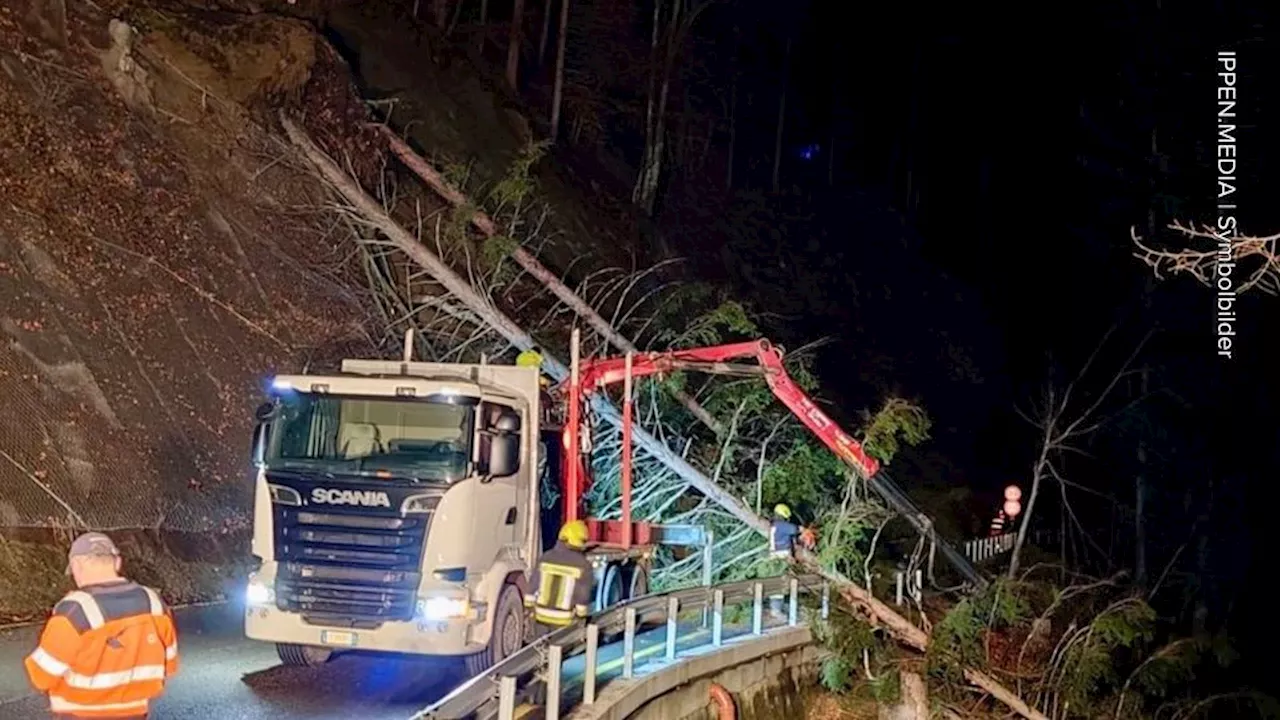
[{"x": 591, "y": 374}]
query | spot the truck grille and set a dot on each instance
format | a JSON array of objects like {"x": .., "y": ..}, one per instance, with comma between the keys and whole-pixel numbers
[{"x": 348, "y": 569}]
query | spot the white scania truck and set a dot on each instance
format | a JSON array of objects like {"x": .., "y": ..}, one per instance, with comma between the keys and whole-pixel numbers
[{"x": 399, "y": 507}]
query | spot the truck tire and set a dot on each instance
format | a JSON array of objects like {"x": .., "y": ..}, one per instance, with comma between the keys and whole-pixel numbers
[
  {"x": 303, "y": 655},
  {"x": 613, "y": 589},
  {"x": 639, "y": 581},
  {"x": 508, "y": 633}
]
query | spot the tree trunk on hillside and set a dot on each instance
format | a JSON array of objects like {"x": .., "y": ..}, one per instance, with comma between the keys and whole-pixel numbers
[
  {"x": 533, "y": 266},
  {"x": 374, "y": 213},
  {"x": 484, "y": 26},
  {"x": 782, "y": 119},
  {"x": 547, "y": 7},
  {"x": 665, "y": 45},
  {"x": 440, "y": 13},
  {"x": 646, "y": 187},
  {"x": 513, "y": 46},
  {"x": 733, "y": 112},
  {"x": 557, "y": 95}
]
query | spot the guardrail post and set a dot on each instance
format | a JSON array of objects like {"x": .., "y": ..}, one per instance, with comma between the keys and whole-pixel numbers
[
  {"x": 555, "y": 664},
  {"x": 897, "y": 595},
  {"x": 826, "y": 600},
  {"x": 589, "y": 665},
  {"x": 717, "y": 617},
  {"x": 793, "y": 610},
  {"x": 673, "y": 624},
  {"x": 506, "y": 698},
  {"x": 757, "y": 609},
  {"x": 917, "y": 591},
  {"x": 629, "y": 644},
  {"x": 707, "y": 548}
]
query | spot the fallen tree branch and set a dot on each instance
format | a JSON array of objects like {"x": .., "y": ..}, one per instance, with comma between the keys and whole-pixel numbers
[
  {"x": 899, "y": 627},
  {"x": 530, "y": 264}
]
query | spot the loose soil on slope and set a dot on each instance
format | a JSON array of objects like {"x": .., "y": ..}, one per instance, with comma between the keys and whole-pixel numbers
[{"x": 157, "y": 262}]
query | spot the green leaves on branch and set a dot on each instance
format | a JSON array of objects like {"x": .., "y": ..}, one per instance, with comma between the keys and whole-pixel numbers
[
  {"x": 958, "y": 641},
  {"x": 898, "y": 421},
  {"x": 516, "y": 186}
]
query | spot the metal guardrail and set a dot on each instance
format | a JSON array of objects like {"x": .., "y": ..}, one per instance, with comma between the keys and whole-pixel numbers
[
  {"x": 983, "y": 549},
  {"x": 537, "y": 666}
]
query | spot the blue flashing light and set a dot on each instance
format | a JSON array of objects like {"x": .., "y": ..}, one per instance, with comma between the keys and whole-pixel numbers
[{"x": 281, "y": 385}]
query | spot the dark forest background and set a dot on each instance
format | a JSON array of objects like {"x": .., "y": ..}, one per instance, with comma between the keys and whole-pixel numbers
[{"x": 950, "y": 199}]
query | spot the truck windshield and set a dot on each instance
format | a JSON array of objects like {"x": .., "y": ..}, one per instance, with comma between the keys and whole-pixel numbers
[{"x": 404, "y": 438}]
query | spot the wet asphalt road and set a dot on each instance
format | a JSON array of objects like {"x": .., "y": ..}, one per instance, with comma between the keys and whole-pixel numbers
[{"x": 226, "y": 676}]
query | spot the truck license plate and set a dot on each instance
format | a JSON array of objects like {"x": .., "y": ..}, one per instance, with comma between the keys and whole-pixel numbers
[{"x": 338, "y": 637}]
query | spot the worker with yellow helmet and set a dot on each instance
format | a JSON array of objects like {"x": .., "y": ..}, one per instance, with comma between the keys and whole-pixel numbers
[
  {"x": 785, "y": 534},
  {"x": 561, "y": 585},
  {"x": 533, "y": 358}
]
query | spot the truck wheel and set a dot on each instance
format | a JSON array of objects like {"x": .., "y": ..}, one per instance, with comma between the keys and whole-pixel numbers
[
  {"x": 508, "y": 633},
  {"x": 612, "y": 590},
  {"x": 303, "y": 655},
  {"x": 639, "y": 582}
]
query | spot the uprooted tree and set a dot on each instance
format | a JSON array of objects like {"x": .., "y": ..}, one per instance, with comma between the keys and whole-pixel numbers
[{"x": 459, "y": 298}]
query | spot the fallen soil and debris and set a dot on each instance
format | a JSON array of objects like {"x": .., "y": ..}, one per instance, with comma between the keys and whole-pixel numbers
[{"x": 158, "y": 258}]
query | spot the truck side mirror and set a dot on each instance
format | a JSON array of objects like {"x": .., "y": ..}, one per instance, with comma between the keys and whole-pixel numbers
[
  {"x": 258, "y": 450},
  {"x": 261, "y": 432},
  {"x": 507, "y": 423},
  {"x": 504, "y": 449}
]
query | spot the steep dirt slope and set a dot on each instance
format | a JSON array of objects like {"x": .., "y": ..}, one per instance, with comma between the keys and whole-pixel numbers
[{"x": 157, "y": 262}]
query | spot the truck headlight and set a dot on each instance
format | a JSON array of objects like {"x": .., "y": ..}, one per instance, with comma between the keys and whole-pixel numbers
[
  {"x": 442, "y": 608},
  {"x": 259, "y": 593}
]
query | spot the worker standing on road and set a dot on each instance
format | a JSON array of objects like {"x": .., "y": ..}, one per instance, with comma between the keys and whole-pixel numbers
[
  {"x": 562, "y": 583},
  {"x": 109, "y": 646}
]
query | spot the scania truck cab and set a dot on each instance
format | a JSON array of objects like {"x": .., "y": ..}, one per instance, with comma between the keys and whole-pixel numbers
[
  {"x": 394, "y": 511},
  {"x": 399, "y": 506}
]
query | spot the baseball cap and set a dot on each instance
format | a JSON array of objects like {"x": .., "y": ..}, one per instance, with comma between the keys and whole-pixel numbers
[{"x": 91, "y": 544}]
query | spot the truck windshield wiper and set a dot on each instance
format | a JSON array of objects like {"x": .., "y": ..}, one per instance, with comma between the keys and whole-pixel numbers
[{"x": 301, "y": 474}]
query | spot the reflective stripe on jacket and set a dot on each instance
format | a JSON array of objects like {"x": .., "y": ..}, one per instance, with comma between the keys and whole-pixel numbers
[
  {"x": 105, "y": 652},
  {"x": 561, "y": 585},
  {"x": 782, "y": 535}
]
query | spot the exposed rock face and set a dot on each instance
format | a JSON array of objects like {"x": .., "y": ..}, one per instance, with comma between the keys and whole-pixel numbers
[
  {"x": 127, "y": 77},
  {"x": 154, "y": 268}
]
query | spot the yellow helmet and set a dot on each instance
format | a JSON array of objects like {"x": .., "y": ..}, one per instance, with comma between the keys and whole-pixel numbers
[
  {"x": 529, "y": 358},
  {"x": 782, "y": 511},
  {"x": 574, "y": 534}
]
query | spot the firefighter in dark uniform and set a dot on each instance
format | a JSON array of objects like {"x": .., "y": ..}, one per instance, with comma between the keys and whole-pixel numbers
[
  {"x": 561, "y": 586},
  {"x": 783, "y": 533}
]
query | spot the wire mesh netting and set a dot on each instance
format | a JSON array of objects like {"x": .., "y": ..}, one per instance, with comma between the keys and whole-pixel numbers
[{"x": 127, "y": 387}]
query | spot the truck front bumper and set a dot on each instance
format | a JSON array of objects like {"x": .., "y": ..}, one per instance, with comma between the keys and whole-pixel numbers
[{"x": 445, "y": 637}]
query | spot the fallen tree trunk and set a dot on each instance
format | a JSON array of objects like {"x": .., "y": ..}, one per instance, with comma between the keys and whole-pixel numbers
[
  {"x": 530, "y": 264},
  {"x": 372, "y": 211}
]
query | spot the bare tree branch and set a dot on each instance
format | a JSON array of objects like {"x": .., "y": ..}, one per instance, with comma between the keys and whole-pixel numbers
[{"x": 1206, "y": 248}]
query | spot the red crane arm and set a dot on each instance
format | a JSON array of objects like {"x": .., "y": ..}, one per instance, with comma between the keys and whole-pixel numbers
[
  {"x": 592, "y": 374},
  {"x": 596, "y": 373}
]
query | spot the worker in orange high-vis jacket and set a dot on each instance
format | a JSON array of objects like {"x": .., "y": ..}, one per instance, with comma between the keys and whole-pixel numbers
[{"x": 109, "y": 646}]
